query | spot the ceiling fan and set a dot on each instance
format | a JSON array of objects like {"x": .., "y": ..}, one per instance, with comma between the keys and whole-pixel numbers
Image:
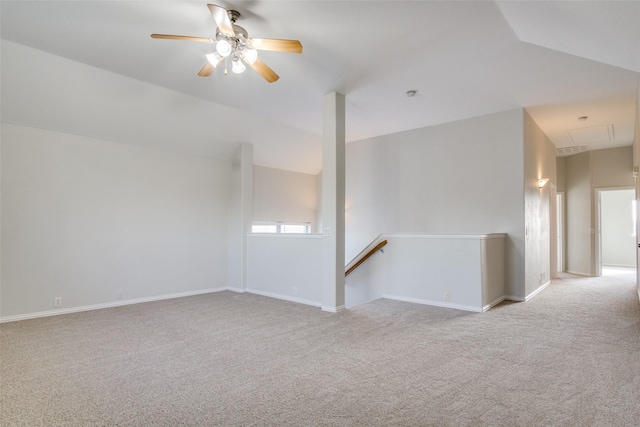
[{"x": 233, "y": 42}]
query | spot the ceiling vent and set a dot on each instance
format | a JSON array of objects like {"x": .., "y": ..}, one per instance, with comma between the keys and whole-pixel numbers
[
  {"x": 567, "y": 151},
  {"x": 585, "y": 136}
]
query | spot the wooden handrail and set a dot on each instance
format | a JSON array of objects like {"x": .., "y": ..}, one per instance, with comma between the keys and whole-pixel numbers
[{"x": 364, "y": 258}]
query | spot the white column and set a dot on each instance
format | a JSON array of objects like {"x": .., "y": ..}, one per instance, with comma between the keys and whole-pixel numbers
[
  {"x": 240, "y": 215},
  {"x": 333, "y": 193}
]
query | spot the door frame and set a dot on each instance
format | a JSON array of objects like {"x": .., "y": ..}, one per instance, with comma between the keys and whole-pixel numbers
[
  {"x": 560, "y": 234},
  {"x": 598, "y": 224}
]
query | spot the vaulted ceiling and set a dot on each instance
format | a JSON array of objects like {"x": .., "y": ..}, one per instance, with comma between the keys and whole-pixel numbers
[{"x": 560, "y": 60}]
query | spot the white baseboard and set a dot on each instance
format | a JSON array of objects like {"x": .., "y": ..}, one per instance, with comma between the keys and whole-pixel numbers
[
  {"x": 576, "y": 273},
  {"x": 332, "y": 309},
  {"x": 434, "y": 303},
  {"x": 120, "y": 303},
  {"x": 531, "y": 295},
  {"x": 537, "y": 291},
  {"x": 284, "y": 297},
  {"x": 493, "y": 303}
]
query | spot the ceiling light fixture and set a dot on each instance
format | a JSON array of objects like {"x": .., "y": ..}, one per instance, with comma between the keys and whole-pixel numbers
[
  {"x": 250, "y": 55},
  {"x": 223, "y": 47},
  {"x": 237, "y": 66},
  {"x": 411, "y": 93},
  {"x": 214, "y": 58},
  {"x": 235, "y": 45},
  {"x": 232, "y": 42}
]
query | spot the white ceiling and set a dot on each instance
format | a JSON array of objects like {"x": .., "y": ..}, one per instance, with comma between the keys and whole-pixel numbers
[{"x": 560, "y": 60}]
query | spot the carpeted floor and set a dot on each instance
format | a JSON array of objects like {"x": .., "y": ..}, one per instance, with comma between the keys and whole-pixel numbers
[{"x": 568, "y": 357}]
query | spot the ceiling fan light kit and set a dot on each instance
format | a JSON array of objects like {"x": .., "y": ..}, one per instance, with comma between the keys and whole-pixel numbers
[
  {"x": 232, "y": 41},
  {"x": 237, "y": 67},
  {"x": 223, "y": 48}
]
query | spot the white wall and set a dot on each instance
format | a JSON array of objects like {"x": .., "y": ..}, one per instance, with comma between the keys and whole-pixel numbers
[
  {"x": 618, "y": 241},
  {"x": 586, "y": 172},
  {"x": 580, "y": 236},
  {"x": 83, "y": 218},
  {"x": 458, "y": 271},
  {"x": 613, "y": 167},
  {"x": 539, "y": 205},
  {"x": 51, "y": 92},
  {"x": 417, "y": 268},
  {"x": 240, "y": 214},
  {"x": 318, "y": 225},
  {"x": 561, "y": 187},
  {"x": 461, "y": 177},
  {"x": 284, "y": 196},
  {"x": 286, "y": 267}
]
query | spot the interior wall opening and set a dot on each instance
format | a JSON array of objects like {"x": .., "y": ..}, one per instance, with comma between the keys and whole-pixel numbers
[
  {"x": 616, "y": 231},
  {"x": 560, "y": 232}
]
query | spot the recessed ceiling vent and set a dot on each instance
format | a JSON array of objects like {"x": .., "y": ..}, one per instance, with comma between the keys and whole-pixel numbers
[
  {"x": 585, "y": 136},
  {"x": 567, "y": 151}
]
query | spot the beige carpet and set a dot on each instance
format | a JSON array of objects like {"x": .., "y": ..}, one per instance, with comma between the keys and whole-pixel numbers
[{"x": 569, "y": 357}]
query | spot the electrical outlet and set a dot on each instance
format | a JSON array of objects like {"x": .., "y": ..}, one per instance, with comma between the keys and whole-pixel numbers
[
  {"x": 57, "y": 302},
  {"x": 447, "y": 296},
  {"x": 295, "y": 291},
  {"x": 119, "y": 294}
]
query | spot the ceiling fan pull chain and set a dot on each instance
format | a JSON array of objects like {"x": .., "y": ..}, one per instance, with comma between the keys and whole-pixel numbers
[{"x": 225, "y": 66}]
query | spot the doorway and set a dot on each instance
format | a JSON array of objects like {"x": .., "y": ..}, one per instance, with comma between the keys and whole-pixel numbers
[
  {"x": 616, "y": 230},
  {"x": 560, "y": 232}
]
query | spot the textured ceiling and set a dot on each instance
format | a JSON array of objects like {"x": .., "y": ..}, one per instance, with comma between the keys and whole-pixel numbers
[{"x": 560, "y": 60}]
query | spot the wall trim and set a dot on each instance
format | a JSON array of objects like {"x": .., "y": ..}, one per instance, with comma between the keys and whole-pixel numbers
[
  {"x": 332, "y": 309},
  {"x": 479, "y": 236},
  {"x": 537, "y": 291},
  {"x": 78, "y": 309},
  {"x": 283, "y": 235},
  {"x": 531, "y": 295},
  {"x": 284, "y": 297},
  {"x": 434, "y": 303},
  {"x": 494, "y": 303},
  {"x": 517, "y": 299},
  {"x": 579, "y": 274}
]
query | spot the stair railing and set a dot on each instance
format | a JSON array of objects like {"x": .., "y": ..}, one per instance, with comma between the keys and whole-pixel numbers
[{"x": 364, "y": 255}]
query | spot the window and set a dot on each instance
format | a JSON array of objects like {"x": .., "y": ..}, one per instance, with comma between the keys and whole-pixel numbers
[
  {"x": 294, "y": 228},
  {"x": 264, "y": 228},
  {"x": 281, "y": 228}
]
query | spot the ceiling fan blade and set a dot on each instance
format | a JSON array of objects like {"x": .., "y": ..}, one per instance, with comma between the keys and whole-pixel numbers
[
  {"x": 207, "y": 70},
  {"x": 267, "y": 73},
  {"x": 188, "y": 38},
  {"x": 278, "y": 45},
  {"x": 222, "y": 19}
]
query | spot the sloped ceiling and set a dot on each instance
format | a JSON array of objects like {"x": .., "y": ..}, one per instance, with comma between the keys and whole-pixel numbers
[{"x": 560, "y": 60}]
